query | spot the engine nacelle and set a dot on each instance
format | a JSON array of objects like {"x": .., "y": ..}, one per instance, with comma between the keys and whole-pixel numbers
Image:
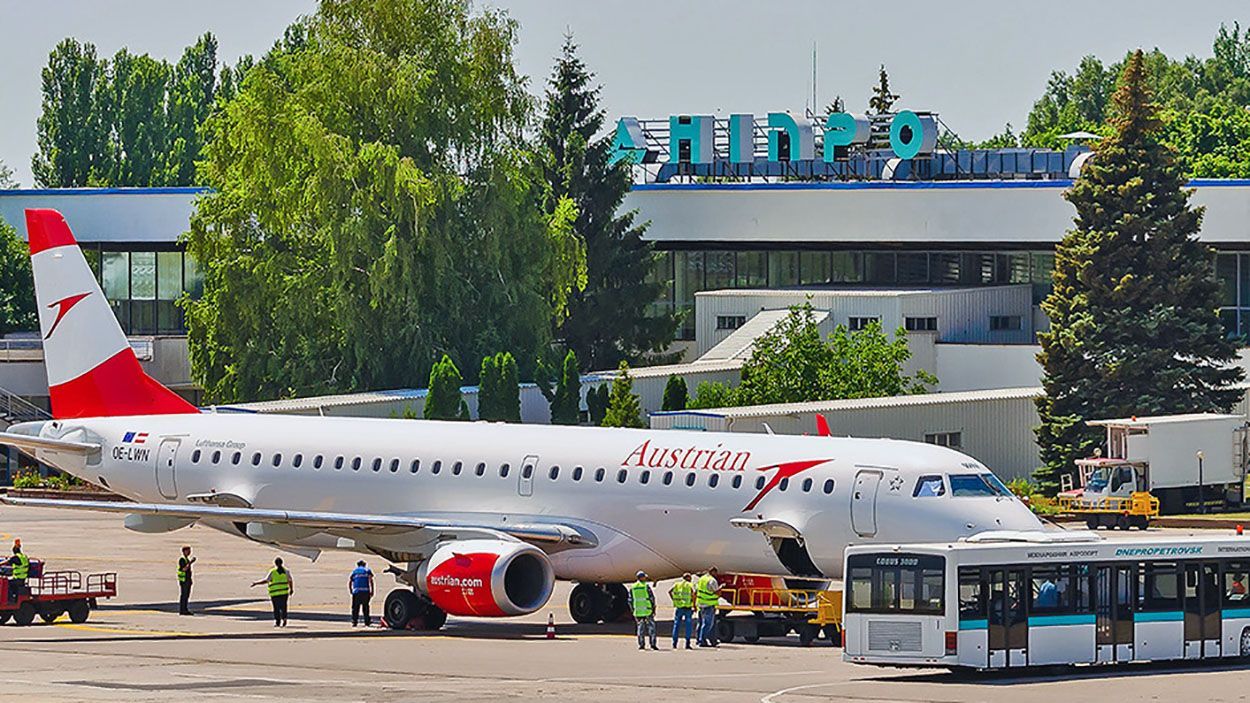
[{"x": 487, "y": 577}]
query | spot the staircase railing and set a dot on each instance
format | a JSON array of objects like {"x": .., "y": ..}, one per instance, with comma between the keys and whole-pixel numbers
[{"x": 14, "y": 408}]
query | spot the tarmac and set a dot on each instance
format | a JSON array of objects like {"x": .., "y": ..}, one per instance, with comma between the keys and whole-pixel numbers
[{"x": 136, "y": 648}]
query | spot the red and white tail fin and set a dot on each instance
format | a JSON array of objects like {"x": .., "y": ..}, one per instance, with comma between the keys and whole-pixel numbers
[
  {"x": 822, "y": 426},
  {"x": 92, "y": 371}
]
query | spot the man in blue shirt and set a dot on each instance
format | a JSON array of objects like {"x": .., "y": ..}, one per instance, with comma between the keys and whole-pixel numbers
[{"x": 361, "y": 584}]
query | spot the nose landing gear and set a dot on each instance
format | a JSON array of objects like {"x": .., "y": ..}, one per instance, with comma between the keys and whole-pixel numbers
[{"x": 591, "y": 603}]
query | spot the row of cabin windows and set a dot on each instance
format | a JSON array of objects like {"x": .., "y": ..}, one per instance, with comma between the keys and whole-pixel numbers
[{"x": 527, "y": 471}]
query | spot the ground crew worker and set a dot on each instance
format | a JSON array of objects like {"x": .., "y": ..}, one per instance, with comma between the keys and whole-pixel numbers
[
  {"x": 281, "y": 585},
  {"x": 361, "y": 585},
  {"x": 642, "y": 600},
  {"x": 19, "y": 570},
  {"x": 184, "y": 581},
  {"x": 682, "y": 594},
  {"x": 707, "y": 595}
]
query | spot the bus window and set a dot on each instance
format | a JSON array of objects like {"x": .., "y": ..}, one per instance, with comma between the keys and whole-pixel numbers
[
  {"x": 971, "y": 595},
  {"x": 1158, "y": 588},
  {"x": 1052, "y": 590},
  {"x": 1235, "y": 582},
  {"x": 967, "y": 485},
  {"x": 897, "y": 583},
  {"x": 927, "y": 486}
]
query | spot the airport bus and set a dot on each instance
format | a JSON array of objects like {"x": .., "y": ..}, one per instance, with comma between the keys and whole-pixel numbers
[{"x": 1009, "y": 600}]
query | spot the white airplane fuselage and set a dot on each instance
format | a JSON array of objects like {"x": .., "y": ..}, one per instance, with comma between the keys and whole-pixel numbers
[{"x": 660, "y": 501}]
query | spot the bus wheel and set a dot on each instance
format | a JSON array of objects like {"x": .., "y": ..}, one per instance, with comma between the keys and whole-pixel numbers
[{"x": 1245, "y": 642}]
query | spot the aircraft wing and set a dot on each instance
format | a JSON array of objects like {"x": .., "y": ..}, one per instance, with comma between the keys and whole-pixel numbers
[
  {"x": 538, "y": 533},
  {"x": 30, "y": 444}
]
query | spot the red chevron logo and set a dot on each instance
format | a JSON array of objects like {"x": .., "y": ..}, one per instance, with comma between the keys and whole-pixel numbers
[
  {"x": 63, "y": 305},
  {"x": 786, "y": 470}
]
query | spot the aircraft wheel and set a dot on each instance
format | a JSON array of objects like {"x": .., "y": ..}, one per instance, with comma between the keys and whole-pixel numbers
[
  {"x": 78, "y": 610},
  {"x": 25, "y": 614},
  {"x": 433, "y": 618},
  {"x": 402, "y": 605},
  {"x": 615, "y": 602},
  {"x": 585, "y": 603}
]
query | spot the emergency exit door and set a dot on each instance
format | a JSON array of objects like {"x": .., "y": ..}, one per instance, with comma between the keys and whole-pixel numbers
[
  {"x": 166, "y": 458},
  {"x": 864, "y": 503}
]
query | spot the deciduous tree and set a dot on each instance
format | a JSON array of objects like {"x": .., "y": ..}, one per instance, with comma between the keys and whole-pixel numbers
[
  {"x": 17, "y": 288},
  {"x": 624, "y": 408},
  {"x": 443, "y": 400},
  {"x": 72, "y": 131}
]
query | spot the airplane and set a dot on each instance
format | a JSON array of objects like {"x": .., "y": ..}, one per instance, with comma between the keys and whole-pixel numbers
[{"x": 476, "y": 518}]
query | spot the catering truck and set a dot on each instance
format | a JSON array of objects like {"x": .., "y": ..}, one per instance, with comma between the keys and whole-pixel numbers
[{"x": 1190, "y": 463}]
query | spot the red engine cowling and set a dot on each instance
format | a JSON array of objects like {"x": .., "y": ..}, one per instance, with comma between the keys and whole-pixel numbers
[{"x": 487, "y": 577}]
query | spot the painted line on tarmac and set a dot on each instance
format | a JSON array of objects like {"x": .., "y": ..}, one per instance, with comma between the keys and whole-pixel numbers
[
  {"x": 130, "y": 631},
  {"x": 755, "y": 674},
  {"x": 772, "y": 697}
]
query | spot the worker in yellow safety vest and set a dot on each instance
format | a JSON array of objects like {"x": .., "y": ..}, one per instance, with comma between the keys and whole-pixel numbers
[
  {"x": 281, "y": 585},
  {"x": 682, "y": 594},
  {"x": 19, "y": 571},
  {"x": 642, "y": 601},
  {"x": 184, "y": 580},
  {"x": 706, "y": 596}
]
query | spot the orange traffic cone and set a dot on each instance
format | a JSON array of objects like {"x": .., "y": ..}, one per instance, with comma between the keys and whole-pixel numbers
[{"x": 551, "y": 626}]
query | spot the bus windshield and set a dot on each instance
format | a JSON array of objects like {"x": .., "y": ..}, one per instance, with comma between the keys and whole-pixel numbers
[
  {"x": 965, "y": 485},
  {"x": 896, "y": 583}
]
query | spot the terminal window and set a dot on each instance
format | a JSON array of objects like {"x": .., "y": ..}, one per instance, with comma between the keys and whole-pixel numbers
[
  {"x": 730, "y": 322},
  {"x": 920, "y": 324},
  {"x": 1005, "y": 323},
  {"x": 945, "y": 439}
]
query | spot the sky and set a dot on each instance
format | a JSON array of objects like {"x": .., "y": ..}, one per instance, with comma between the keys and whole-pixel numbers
[{"x": 979, "y": 63}]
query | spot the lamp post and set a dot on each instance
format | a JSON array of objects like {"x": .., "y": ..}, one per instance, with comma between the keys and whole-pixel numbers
[{"x": 1202, "y": 505}]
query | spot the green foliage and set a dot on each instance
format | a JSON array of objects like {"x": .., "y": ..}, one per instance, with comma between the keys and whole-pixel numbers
[
  {"x": 443, "y": 400},
  {"x": 499, "y": 398},
  {"x": 791, "y": 363},
  {"x": 609, "y": 311},
  {"x": 55, "y": 480},
  {"x": 7, "y": 179},
  {"x": 131, "y": 121},
  {"x": 17, "y": 287},
  {"x": 674, "y": 393},
  {"x": 597, "y": 404},
  {"x": 373, "y": 207},
  {"x": 712, "y": 394},
  {"x": 566, "y": 399},
  {"x": 624, "y": 408},
  {"x": 882, "y": 99},
  {"x": 1134, "y": 329},
  {"x": 1030, "y": 494}
]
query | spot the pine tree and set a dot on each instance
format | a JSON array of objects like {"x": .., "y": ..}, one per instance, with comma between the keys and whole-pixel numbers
[
  {"x": 1133, "y": 313},
  {"x": 624, "y": 408},
  {"x": 882, "y": 99},
  {"x": 565, "y": 401},
  {"x": 597, "y": 404},
  {"x": 488, "y": 389},
  {"x": 509, "y": 388},
  {"x": 443, "y": 400},
  {"x": 609, "y": 319},
  {"x": 675, "y": 393}
]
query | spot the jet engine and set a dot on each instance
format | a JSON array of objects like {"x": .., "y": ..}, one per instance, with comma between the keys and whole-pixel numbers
[{"x": 487, "y": 577}]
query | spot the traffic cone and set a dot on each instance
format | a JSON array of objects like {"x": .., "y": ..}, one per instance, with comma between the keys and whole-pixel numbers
[{"x": 551, "y": 626}]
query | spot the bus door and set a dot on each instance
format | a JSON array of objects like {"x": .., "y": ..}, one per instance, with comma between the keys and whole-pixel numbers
[
  {"x": 1202, "y": 610},
  {"x": 1008, "y": 618},
  {"x": 1115, "y": 588}
]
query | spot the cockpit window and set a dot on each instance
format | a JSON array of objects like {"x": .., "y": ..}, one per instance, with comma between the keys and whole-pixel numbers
[
  {"x": 929, "y": 486},
  {"x": 968, "y": 485},
  {"x": 997, "y": 485}
]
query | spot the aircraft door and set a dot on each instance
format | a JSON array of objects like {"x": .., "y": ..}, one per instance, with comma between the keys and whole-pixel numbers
[
  {"x": 166, "y": 459},
  {"x": 864, "y": 503},
  {"x": 525, "y": 479}
]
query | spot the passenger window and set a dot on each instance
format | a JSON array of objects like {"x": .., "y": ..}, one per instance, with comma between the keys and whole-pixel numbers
[
  {"x": 599, "y": 474},
  {"x": 338, "y": 463},
  {"x": 807, "y": 485},
  {"x": 785, "y": 483},
  {"x": 216, "y": 457},
  {"x": 527, "y": 471},
  {"x": 621, "y": 476},
  {"x": 668, "y": 478},
  {"x": 713, "y": 480},
  {"x": 554, "y": 473},
  {"x": 828, "y": 486},
  {"x": 438, "y": 466},
  {"x": 503, "y": 470},
  {"x": 690, "y": 477},
  {"x": 297, "y": 460},
  {"x": 415, "y": 466},
  {"x": 577, "y": 473},
  {"x": 195, "y": 457},
  {"x": 928, "y": 486},
  {"x": 644, "y": 477},
  {"x": 277, "y": 458},
  {"x": 395, "y": 465},
  {"x": 456, "y": 467},
  {"x": 356, "y": 464},
  {"x": 238, "y": 456},
  {"x": 317, "y": 461},
  {"x": 737, "y": 481},
  {"x": 759, "y": 483},
  {"x": 256, "y": 459},
  {"x": 377, "y": 464},
  {"x": 481, "y": 469}
]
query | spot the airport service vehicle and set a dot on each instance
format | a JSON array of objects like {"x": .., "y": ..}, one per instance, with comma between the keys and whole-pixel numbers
[
  {"x": 1113, "y": 512},
  {"x": 757, "y": 605},
  {"x": 55, "y": 593},
  {"x": 1168, "y": 456},
  {"x": 1015, "y": 600},
  {"x": 478, "y": 518}
]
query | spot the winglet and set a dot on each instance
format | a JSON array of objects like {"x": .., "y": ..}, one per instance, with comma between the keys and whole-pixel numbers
[{"x": 822, "y": 426}]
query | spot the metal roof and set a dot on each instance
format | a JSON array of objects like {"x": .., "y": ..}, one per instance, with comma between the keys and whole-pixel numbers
[
  {"x": 866, "y": 403},
  {"x": 1146, "y": 421}
]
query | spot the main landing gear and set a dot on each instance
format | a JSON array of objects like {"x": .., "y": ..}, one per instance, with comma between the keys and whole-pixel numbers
[
  {"x": 406, "y": 609},
  {"x": 590, "y": 603}
]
